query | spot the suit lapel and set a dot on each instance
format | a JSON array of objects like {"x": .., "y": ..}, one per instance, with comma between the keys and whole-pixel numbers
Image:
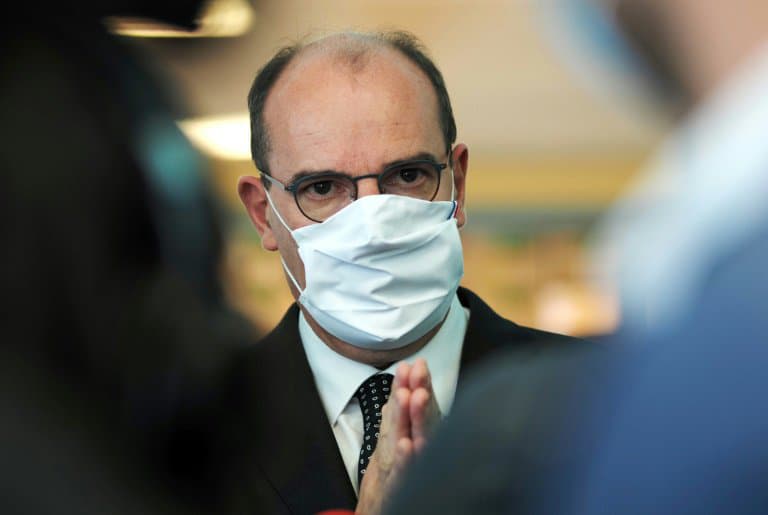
[
  {"x": 297, "y": 450},
  {"x": 294, "y": 445},
  {"x": 483, "y": 331},
  {"x": 488, "y": 333}
]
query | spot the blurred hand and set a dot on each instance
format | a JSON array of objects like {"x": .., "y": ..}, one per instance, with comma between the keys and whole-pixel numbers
[
  {"x": 424, "y": 411},
  {"x": 407, "y": 421}
]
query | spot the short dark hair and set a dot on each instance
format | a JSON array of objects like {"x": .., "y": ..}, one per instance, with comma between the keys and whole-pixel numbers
[{"x": 404, "y": 42}]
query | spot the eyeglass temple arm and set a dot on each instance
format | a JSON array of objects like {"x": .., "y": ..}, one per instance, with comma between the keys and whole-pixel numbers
[{"x": 272, "y": 180}]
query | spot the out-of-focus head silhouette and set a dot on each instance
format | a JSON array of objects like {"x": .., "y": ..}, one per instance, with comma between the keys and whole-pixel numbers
[
  {"x": 106, "y": 201},
  {"x": 620, "y": 50},
  {"x": 652, "y": 53},
  {"x": 114, "y": 325}
]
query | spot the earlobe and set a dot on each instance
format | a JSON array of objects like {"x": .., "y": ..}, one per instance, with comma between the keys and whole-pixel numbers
[
  {"x": 254, "y": 198},
  {"x": 460, "y": 162}
]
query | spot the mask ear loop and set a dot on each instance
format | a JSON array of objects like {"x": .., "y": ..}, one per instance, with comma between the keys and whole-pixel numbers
[
  {"x": 279, "y": 217},
  {"x": 455, "y": 208},
  {"x": 291, "y": 277},
  {"x": 453, "y": 186}
]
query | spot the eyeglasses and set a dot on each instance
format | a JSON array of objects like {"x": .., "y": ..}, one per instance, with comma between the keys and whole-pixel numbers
[{"x": 323, "y": 194}]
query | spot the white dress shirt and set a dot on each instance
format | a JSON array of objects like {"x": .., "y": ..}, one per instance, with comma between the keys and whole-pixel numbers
[{"x": 337, "y": 378}]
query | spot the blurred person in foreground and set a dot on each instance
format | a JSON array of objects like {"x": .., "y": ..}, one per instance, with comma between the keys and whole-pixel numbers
[
  {"x": 674, "y": 421},
  {"x": 115, "y": 336},
  {"x": 362, "y": 192}
]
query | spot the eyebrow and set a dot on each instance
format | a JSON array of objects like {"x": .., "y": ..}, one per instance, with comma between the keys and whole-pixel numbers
[{"x": 421, "y": 156}]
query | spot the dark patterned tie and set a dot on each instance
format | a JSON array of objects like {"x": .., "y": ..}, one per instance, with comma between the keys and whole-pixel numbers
[{"x": 372, "y": 395}]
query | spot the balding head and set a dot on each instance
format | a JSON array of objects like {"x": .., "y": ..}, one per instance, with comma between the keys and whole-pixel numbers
[{"x": 349, "y": 52}]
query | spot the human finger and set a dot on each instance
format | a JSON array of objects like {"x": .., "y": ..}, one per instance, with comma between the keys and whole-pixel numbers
[
  {"x": 424, "y": 414},
  {"x": 402, "y": 374},
  {"x": 419, "y": 376}
]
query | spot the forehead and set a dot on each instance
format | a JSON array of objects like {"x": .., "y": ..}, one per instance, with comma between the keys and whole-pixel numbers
[{"x": 327, "y": 113}]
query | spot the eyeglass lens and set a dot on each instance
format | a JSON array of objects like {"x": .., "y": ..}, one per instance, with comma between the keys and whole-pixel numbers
[{"x": 320, "y": 196}]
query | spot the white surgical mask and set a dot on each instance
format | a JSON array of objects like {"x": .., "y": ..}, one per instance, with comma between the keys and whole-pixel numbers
[{"x": 382, "y": 272}]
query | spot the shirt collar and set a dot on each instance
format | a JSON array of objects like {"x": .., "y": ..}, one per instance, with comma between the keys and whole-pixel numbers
[{"x": 337, "y": 376}]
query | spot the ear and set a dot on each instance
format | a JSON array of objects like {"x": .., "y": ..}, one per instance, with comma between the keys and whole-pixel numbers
[
  {"x": 460, "y": 163},
  {"x": 254, "y": 198}
]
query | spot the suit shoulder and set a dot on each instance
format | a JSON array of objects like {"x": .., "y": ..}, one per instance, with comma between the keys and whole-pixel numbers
[
  {"x": 542, "y": 336},
  {"x": 486, "y": 323}
]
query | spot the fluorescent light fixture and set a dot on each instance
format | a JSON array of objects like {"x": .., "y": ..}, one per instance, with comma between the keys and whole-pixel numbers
[
  {"x": 222, "y": 137},
  {"x": 219, "y": 18}
]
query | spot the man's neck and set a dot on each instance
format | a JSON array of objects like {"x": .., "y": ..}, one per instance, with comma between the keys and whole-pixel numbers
[{"x": 380, "y": 359}]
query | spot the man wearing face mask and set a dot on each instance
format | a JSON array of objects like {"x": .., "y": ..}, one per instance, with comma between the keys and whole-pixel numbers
[
  {"x": 674, "y": 424},
  {"x": 362, "y": 192}
]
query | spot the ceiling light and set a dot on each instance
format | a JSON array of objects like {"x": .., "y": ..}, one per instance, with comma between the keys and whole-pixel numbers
[
  {"x": 219, "y": 18},
  {"x": 221, "y": 137}
]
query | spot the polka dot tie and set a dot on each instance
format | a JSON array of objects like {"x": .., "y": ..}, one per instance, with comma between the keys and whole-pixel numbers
[{"x": 372, "y": 395}]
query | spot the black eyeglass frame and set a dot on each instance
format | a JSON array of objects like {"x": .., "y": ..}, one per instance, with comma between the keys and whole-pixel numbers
[{"x": 294, "y": 186}]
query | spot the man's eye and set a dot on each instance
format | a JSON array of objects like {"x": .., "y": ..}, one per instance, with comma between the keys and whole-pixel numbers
[
  {"x": 321, "y": 187},
  {"x": 409, "y": 174}
]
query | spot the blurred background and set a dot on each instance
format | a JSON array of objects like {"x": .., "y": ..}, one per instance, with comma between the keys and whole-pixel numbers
[{"x": 546, "y": 158}]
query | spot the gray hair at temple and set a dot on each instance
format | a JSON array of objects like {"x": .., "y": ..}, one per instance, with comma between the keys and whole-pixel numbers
[{"x": 352, "y": 49}]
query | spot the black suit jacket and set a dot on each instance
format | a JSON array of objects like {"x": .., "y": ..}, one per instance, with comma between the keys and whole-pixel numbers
[{"x": 289, "y": 459}]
